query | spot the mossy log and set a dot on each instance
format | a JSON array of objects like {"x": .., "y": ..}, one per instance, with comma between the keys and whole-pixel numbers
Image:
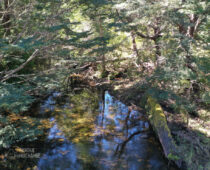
[{"x": 159, "y": 124}]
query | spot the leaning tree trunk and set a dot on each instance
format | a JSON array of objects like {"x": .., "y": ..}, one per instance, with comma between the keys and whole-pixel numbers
[{"x": 159, "y": 124}]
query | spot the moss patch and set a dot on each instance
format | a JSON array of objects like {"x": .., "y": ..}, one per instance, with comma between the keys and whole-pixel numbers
[{"x": 159, "y": 123}]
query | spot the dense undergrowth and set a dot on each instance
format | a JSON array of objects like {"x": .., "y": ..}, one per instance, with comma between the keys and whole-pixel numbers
[{"x": 145, "y": 48}]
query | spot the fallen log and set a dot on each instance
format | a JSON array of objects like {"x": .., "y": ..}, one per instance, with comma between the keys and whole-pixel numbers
[{"x": 159, "y": 124}]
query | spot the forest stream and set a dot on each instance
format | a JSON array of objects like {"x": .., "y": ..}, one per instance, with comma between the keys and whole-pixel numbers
[
  {"x": 91, "y": 130},
  {"x": 104, "y": 84}
]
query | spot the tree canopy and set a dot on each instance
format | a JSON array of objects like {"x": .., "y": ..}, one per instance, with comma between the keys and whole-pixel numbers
[{"x": 163, "y": 44}]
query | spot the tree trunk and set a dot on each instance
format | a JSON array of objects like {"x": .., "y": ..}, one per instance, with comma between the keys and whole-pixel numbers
[
  {"x": 157, "y": 52},
  {"x": 103, "y": 58},
  {"x": 194, "y": 20},
  {"x": 190, "y": 32},
  {"x": 138, "y": 61},
  {"x": 135, "y": 50}
]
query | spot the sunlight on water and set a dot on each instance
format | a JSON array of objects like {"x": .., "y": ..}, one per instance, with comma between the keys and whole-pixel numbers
[
  {"x": 88, "y": 130},
  {"x": 100, "y": 132}
]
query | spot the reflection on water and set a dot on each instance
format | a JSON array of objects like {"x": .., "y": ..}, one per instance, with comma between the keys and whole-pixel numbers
[
  {"x": 91, "y": 130},
  {"x": 49, "y": 104},
  {"x": 100, "y": 132}
]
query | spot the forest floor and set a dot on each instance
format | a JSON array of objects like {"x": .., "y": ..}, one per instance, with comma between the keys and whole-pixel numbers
[{"x": 191, "y": 134}]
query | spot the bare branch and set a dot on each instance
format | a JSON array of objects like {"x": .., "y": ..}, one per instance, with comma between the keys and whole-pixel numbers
[{"x": 10, "y": 73}]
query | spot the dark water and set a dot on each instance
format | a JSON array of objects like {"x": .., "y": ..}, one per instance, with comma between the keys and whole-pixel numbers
[{"x": 91, "y": 130}]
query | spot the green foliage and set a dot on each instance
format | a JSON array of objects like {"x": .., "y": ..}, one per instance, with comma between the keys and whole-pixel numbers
[
  {"x": 75, "y": 33},
  {"x": 10, "y": 135},
  {"x": 14, "y": 99},
  {"x": 169, "y": 99},
  {"x": 173, "y": 157},
  {"x": 206, "y": 97},
  {"x": 18, "y": 131}
]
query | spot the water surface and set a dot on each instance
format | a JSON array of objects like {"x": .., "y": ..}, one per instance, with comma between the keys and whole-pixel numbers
[{"x": 92, "y": 130}]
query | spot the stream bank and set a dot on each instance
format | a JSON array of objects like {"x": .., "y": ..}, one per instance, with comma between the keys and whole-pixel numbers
[
  {"x": 189, "y": 141},
  {"x": 89, "y": 129},
  {"x": 192, "y": 140}
]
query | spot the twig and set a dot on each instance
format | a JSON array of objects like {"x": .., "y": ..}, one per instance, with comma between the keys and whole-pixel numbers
[{"x": 10, "y": 73}]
